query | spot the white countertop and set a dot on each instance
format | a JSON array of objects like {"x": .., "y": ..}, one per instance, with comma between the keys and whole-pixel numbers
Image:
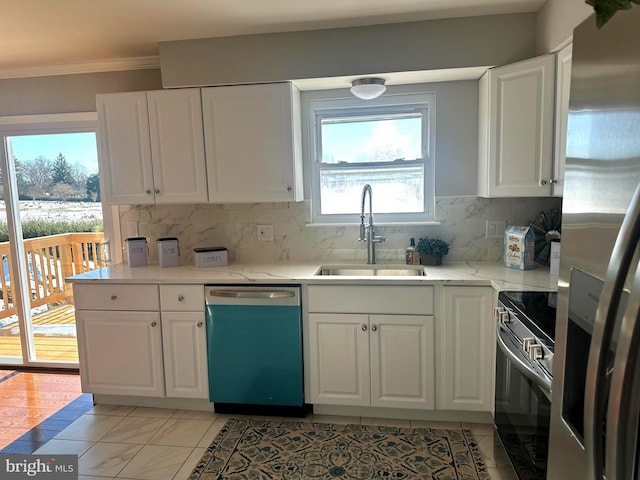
[{"x": 485, "y": 274}]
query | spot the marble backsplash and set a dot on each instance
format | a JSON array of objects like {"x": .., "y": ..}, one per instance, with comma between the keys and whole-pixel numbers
[{"x": 234, "y": 226}]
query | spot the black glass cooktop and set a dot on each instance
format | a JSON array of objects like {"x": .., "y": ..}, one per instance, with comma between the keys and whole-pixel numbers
[{"x": 539, "y": 308}]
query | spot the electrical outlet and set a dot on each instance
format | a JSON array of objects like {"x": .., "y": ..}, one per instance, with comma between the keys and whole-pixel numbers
[
  {"x": 265, "y": 233},
  {"x": 495, "y": 228}
]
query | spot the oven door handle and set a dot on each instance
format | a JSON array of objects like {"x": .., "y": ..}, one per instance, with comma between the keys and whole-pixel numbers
[{"x": 523, "y": 367}]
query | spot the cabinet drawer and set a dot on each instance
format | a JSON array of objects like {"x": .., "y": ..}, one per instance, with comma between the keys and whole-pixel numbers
[
  {"x": 117, "y": 296},
  {"x": 182, "y": 298},
  {"x": 371, "y": 299}
]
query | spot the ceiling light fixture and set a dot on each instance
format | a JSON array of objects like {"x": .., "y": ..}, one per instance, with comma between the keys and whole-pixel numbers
[{"x": 368, "y": 88}]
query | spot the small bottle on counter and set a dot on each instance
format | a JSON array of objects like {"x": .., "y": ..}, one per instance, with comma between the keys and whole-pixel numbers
[{"x": 412, "y": 256}]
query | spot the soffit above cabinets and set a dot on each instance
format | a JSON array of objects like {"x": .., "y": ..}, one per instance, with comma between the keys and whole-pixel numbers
[{"x": 395, "y": 78}]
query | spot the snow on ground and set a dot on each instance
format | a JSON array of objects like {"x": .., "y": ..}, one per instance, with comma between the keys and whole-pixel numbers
[{"x": 54, "y": 210}]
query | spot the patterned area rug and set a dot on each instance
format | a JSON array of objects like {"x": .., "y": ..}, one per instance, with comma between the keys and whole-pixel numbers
[{"x": 293, "y": 450}]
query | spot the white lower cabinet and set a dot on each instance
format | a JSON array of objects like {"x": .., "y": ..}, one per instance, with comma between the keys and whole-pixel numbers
[
  {"x": 120, "y": 352},
  {"x": 339, "y": 354},
  {"x": 373, "y": 359},
  {"x": 402, "y": 361},
  {"x": 468, "y": 353},
  {"x": 184, "y": 341},
  {"x": 133, "y": 342}
]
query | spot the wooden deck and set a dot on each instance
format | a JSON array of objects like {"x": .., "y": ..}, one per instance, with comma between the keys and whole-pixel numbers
[{"x": 52, "y": 348}]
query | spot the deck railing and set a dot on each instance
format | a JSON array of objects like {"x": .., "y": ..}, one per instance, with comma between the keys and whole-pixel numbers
[{"x": 50, "y": 260}]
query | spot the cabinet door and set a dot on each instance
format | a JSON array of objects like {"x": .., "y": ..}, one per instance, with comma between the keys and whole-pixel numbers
[
  {"x": 339, "y": 359},
  {"x": 120, "y": 352},
  {"x": 177, "y": 146},
  {"x": 124, "y": 151},
  {"x": 516, "y": 129},
  {"x": 402, "y": 361},
  {"x": 563, "y": 87},
  {"x": 468, "y": 351},
  {"x": 252, "y": 143},
  {"x": 185, "y": 354}
]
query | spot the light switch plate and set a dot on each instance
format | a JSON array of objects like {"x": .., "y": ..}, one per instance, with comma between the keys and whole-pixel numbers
[
  {"x": 265, "y": 233},
  {"x": 132, "y": 229},
  {"x": 495, "y": 228}
]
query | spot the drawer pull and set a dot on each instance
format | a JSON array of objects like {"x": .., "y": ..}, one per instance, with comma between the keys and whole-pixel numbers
[
  {"x": 374, "y": 328},
  {"x": 181, "y": 298},
  {"x": 200, "y": 324},
  {"x": 364, "y": 327},
  {"x": 114, "y": 297},
  {"x": 153, "y": 324}
]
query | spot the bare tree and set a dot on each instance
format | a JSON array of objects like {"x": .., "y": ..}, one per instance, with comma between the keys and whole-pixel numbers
[
  {"x": 79, "y": 174},
  {"x": 63, "y": 191},
  {"x": 37, "y": 175}
]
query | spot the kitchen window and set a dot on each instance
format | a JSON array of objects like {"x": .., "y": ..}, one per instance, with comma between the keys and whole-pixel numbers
[{"x": 387, "y": 143}]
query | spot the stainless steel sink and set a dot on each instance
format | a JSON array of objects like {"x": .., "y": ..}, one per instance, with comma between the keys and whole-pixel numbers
[{"x": 373, "y": 271}]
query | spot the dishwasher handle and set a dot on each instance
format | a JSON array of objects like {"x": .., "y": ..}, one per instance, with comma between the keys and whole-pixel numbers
[{"x": 252, "y": 293}]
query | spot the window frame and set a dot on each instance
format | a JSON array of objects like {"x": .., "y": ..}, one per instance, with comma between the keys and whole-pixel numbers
[{"x": 423, "y": 102}]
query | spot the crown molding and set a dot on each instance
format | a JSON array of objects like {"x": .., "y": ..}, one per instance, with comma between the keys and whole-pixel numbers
[{"x": 94, "y": 66}]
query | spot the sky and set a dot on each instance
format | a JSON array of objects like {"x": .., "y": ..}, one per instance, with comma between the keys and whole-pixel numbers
[{"x": 76, "y": 148}]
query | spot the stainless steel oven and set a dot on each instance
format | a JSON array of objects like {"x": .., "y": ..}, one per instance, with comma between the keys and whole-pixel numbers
[{"x": 525, "y": 327}]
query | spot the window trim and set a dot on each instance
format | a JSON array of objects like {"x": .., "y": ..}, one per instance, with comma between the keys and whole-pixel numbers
[{"x": 424, "y": 102}]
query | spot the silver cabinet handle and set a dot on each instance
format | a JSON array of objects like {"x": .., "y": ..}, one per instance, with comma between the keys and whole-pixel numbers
[
  {"x": 364, "y": 327},
  {"x": 200, "y": 324},
  {"x": 147, "y": 191},
  {"x": 595, "y": 398},
  {"x": 153, "y": 324},
  {"x": 374, "y": 328},
  {"x": 181, "y": 298},
  {"x": 552, "y": 181},
  {"x": 157, "y": 190},
  {"x": 542, "y": 183},
  {"x": 289, "y": 189},
  {"x": 114, "y": 297}
]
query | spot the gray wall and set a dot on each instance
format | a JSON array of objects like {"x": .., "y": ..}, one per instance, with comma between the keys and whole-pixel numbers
[
  {"x": 456, "y": 166},
  {"x": 556, "y": 21},
  {"x": 69, "y": 93},
  {"x": 413, "y": 46}
]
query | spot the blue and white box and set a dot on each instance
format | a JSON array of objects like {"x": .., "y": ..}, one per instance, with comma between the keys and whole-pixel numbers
[
  {"x": 137, "y": 251},
  {"x": 519, "y": 247},
  {"x": 168, "y": 251},
  {"x": 205, "y": 257}
]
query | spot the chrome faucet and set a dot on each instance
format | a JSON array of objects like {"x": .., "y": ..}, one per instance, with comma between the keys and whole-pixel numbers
[{"x": 367, "y": 232}]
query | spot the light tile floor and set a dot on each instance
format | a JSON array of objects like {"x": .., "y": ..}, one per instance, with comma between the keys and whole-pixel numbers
[{"x": 118, "y": 442}]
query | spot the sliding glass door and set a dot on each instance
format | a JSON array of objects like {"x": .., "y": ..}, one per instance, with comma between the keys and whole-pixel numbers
[{"x": 50, "y": 224}]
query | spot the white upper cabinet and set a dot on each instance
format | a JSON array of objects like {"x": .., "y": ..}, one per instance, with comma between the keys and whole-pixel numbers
[
  {"x": 151, "y": 147},
  {"x": 177, "y": 146},
  {"x": 516, "y": 129},
  {"x": 563, "y": 87},
  {"x": 124, "y": 148},
  {"x": 252, "y": 143}
]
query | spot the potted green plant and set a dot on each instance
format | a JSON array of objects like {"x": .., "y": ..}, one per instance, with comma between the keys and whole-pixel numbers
[{"x": 432, "y": 250}]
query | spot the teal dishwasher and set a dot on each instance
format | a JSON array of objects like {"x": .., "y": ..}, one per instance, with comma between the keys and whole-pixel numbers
[{"x": 254, "y": 349}]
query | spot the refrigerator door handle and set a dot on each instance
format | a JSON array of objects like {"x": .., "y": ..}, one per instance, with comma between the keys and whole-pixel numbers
[
  {"x": 606, "y": 313},
  {"x": 624, "y": 402}
]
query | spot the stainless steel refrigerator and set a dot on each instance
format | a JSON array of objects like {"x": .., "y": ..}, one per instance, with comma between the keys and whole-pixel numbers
[{"x": 596, "y": 374}]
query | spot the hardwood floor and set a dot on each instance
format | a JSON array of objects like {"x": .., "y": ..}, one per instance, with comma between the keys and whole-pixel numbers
[
  {"x": 36, "y": 406},
  {"x": 48, "y": 347}
]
